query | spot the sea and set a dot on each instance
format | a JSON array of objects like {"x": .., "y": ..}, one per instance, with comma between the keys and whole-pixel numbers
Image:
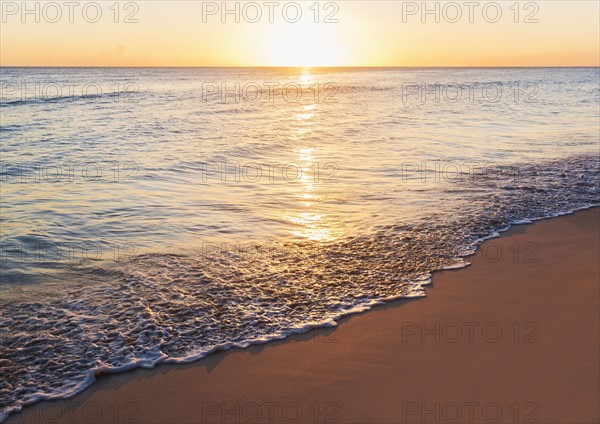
[{"x": 157, "y": 215}]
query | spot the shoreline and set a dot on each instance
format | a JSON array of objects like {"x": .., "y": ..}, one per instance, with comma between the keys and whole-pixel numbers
[{"x": 405, "y": 343}]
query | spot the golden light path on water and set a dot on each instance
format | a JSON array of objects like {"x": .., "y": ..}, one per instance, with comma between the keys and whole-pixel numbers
[{"x": 311, "y": 221}]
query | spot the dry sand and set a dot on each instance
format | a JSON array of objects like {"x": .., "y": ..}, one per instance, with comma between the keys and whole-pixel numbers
[{"x": 514, "y": 336}]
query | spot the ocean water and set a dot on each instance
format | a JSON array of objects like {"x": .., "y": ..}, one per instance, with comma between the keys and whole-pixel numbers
[{"x": 158, "y": 215}]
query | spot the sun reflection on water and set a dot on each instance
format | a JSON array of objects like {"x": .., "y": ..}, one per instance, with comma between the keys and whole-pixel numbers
[
  {"x": 306, "y": 77},
  {"x": 310, "y": 220}
]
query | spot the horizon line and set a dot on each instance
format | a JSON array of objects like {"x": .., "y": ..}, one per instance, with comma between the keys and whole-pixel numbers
[{"x": 301, "y": 67}]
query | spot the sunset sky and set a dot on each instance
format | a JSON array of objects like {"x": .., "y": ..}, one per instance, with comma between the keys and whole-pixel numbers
[{"x": 367, "y": 33}]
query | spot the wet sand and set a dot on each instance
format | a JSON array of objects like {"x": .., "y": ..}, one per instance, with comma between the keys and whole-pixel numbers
[{"x": 513, "y": 338}]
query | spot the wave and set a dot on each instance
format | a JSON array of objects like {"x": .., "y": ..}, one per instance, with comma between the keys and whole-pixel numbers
[{"x": 178, "y": 308}]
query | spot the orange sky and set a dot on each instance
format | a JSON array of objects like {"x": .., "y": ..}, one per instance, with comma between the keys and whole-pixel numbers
[{"x": 346, "y": 33}]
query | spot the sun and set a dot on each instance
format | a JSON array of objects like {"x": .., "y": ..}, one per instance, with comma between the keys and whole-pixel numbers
[{"x": 299, "y": 47}]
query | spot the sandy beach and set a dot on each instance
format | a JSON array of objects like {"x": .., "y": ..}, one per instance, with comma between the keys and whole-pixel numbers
[{"x": 513, "y": 338}]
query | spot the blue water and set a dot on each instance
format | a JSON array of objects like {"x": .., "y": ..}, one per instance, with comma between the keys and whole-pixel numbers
[{"x": 157, "y": 215}]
